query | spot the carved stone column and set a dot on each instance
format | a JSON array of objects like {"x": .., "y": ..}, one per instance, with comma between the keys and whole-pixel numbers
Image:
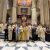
[
  {"x": 42, "y": 20},
  {"x": 4, "y": 12},
  {"x": 1, "y": 9},
  {"x": 44, "y": 12},
  {"x": 14, "y": 16},
  {"x": 34, "y": 14}
]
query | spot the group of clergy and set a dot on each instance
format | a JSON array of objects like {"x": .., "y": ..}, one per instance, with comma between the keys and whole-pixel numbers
[
  {"x": 16, "y": 32},
  {"x": 24, "y": 32}
]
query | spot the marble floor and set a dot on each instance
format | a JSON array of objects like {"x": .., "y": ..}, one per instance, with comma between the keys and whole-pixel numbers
[{"x": 37, "y": 45}]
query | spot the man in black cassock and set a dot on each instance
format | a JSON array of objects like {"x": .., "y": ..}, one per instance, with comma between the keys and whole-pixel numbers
[
  {"x": 6, "y": 33},
  {"x": 34, "y": 35}
]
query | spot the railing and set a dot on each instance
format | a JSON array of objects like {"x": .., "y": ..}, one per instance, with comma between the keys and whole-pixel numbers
[{"x": 2, "y": 35}]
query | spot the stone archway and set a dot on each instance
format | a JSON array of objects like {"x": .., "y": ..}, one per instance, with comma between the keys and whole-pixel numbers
[
  {"x": 8, "y": 19},
  {"x": 38, "y": 19}
]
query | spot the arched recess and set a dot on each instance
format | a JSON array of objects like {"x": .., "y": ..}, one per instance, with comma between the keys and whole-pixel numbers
[
  {"x": 38, "y": 16},
  {"x": 8, "y": 19},
  {"x": 38, "y": 19}
]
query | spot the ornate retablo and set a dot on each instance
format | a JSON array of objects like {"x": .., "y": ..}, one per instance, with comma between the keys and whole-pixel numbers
[{"x": 24, "y": 2}]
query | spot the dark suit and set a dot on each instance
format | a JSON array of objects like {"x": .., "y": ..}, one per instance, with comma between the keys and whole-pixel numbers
[
  {"x": 34, "y": 36},
  {"x": 13, "y": 35},
  {"x": 6, "y": 33},
  {"x": 47, "y": 35}
]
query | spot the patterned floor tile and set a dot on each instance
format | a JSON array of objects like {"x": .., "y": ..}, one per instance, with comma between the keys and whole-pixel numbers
[{"x": 37, "y": 45}]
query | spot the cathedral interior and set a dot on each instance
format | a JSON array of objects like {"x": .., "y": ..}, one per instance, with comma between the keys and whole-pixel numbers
[
  {"x": 23, "y": 9},
  {"x": 33, "y": 12}
]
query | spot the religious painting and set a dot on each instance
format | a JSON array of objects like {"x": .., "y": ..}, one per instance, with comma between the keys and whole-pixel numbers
[{"x": 24, "y": 11}]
